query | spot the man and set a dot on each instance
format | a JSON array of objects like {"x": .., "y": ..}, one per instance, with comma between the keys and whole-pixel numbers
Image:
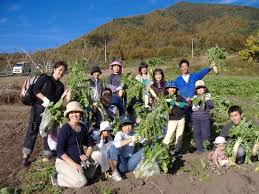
[
  {"x": 235, "y": 115},
  {"x": 186, "y": 82}
]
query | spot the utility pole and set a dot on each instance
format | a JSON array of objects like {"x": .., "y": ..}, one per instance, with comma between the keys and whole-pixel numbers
[
  {"x": 105, "y": 50},
  {"x": 192, "y": 48}
]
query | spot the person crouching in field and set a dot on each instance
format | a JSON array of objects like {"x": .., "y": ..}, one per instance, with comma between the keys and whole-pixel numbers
[
  {"x": 104, "y": 142},
  {"x": 201, "y": 106},
  {"x": 96, "y": 84},
  {"x": 122, "y": 155},
  {"x": 176, "y": 117},
  {"x": 144, "y": 78},
  {"x": 157, "y": 87},
  {"x": 236, "y": 116},
  {"x": 114, "y": 79},
  {"x": 74, "y": 147},
  {"x": 218, "y": 156}
]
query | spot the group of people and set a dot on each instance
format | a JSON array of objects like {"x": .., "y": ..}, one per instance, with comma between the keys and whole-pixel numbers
[{"x": 80, "y": 144}]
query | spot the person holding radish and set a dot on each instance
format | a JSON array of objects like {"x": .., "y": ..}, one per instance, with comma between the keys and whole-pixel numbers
[
  {"x": 201, "y": 106},
  {"x": 122, "y": 156},
  {"x": 114, "y": 79},
  {"x": 157, "y": 86},
  {"x": 236, "y": 116},
  {"x": 186, "y": 84},
  {"x": 176, "y": 117},
  {"x": 46, "y": 89},
  {"x": 74, "y": 149},
  {"x": 144, "y": 78}
]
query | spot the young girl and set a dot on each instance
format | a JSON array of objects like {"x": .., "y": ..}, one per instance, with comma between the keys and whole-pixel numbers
[
  {"x": 157, "y": 87},
  {"x": 114, "y": 79},
  {"x": 122, "y": 155},
  {"x": 201, "y": 106},
  {"x": 143, "y": 77},
  {"x": 103, "y": 143},
  {"x": 218, "y": 156},
  {"x": 96, "y": 84},
  {"x": 176, "y": 117}
]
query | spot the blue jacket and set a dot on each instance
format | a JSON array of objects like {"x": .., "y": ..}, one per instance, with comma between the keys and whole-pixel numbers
[{"x": 187, "y": 89}]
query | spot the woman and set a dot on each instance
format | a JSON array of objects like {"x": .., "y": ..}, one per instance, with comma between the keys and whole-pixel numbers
[
  {"x": 143, "y": 78},
  {"x": 74, "y": 147},
  {"x": 122, "y": 156},
  {"x": 47, "y": 89},
  {"x": 158, "y": 85}
]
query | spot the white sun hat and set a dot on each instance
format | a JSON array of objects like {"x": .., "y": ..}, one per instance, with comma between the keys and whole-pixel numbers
[{"x": 220, "y": 140}]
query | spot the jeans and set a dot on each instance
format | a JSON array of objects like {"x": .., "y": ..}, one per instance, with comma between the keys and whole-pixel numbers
[
  {"x": 201, "y": 130},
  {"x": 125, "y": 164},
  {"x": 32, "y": 132}
]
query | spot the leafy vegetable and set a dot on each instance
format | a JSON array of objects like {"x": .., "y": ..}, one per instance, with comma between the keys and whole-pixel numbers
[
  {"x": 247, "y": 135},
  {"x": 217, "y": 55}
]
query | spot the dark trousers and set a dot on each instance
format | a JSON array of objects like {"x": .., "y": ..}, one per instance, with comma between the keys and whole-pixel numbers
[
  {"x": 32, "y": 131},
  {"x": 201, "y": 130}
]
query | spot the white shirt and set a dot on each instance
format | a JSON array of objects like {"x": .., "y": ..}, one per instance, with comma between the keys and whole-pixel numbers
[
  {"x": 186, "y": 78},
  {"x": 127, "y": 150}
]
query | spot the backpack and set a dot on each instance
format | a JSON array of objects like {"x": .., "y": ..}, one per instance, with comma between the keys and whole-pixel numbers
[{"x": 27, "y": 96}]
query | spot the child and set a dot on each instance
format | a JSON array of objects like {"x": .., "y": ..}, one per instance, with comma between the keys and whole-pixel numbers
[
  {"x": 201, "y": 106},
  {"x": 96, "y": 83},
  {"x": 123, "y": 156},
  {"x": 114, "y": 79},
  {"x": 157, "y": 87},
  {"x": 218, "y": 156},
  {"x": 103, "y": 143},
  {"x": 176, "y": 117},
  {"x": 143, "y": 77}
]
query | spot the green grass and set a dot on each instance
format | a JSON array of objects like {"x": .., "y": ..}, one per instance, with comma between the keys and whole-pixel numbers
[{"x": 37, "y": 178}]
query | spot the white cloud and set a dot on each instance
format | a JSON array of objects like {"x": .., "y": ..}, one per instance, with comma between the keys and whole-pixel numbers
[
  {"x": 228, "y": 1},
  {"x": 3, "y": 20}
]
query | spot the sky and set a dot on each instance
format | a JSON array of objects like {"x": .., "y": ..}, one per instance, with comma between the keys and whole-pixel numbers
[{"x": 36, "y": 25}]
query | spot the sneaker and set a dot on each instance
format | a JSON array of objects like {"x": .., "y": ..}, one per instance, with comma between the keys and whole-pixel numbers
[
  {"x": 25, "y": 162},
  {"x": 116, "y": 176},
  {"x": 54, "y": 179}
]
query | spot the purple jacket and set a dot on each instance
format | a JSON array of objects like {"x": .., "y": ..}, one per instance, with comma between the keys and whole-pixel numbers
[
  {"x": 114, "y": 81},
  {"x": 203, "y": 114}
]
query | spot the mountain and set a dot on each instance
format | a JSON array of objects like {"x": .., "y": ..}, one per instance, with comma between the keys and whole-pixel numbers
[{"x": 167, "y": 32}]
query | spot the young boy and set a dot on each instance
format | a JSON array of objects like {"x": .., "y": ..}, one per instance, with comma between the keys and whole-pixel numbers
[
  {"x": 235, "y": 114},
  {"x": 176, "y": 117},
  {"x": 96, "y": 83}
]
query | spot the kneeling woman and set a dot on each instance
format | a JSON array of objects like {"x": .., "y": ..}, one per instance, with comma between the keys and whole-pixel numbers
[
  {"x": 122, "y": 156},
  {"x": 74, "y": 145}
]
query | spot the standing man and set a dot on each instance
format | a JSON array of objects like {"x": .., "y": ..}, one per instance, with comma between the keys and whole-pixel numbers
[{"x": 186, "y": 84}]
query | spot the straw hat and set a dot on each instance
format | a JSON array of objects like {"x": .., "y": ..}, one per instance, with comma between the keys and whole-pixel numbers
[{"x": 73, "y": 107}]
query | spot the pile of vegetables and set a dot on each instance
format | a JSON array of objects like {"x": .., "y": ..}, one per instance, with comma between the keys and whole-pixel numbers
[{"x": 245, "y": 134}]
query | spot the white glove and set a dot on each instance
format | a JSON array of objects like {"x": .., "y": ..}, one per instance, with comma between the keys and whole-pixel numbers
[
  {"x": 207, "y": 97},
  {"x": 46, "y": 102}
]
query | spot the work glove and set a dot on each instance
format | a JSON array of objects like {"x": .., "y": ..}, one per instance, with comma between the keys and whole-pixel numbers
[
  {"x": 207, "y": 97},
  {"x": 172, "y": 103},
  {"x": 46, "y": 102}
]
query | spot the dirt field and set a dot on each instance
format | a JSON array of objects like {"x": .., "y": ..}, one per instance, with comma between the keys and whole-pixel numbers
[{"x": 188, "y": 175}]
